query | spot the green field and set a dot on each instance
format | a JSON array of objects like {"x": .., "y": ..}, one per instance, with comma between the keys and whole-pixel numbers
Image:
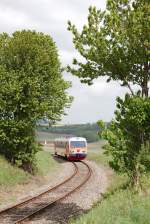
[
  {"x": 42, "y": 136},
  {"x": 95, "y": 152},
  {"x": 88, "y": 131}
]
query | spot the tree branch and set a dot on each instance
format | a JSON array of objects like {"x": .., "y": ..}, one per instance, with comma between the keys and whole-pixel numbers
[{"x": 130, "y": 89}]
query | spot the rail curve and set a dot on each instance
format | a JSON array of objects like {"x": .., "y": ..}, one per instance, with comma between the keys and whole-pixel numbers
[{"x": 39, "y": 203}]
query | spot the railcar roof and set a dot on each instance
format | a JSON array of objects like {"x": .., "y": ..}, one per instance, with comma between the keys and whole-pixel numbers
[{"x": 70, "y": 139}]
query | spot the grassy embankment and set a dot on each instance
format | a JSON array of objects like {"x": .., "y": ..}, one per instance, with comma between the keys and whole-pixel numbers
[
  {"x": 120, "y": 204},
  {"x": 12, "y": 177}
]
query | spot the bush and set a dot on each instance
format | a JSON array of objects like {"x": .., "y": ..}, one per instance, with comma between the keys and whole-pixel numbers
[{"x": 128, "y": 137}]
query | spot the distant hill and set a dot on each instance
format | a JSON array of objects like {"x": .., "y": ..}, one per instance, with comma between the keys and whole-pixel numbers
[{"x": 89, "y": 131}]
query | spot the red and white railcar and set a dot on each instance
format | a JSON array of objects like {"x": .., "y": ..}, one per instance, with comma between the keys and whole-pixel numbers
[{"x": 73, "y": 148}]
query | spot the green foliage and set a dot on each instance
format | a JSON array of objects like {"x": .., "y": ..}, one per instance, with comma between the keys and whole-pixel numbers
[
  {"x": 129, "y": 136},
  {"x": 32, "y": 87},
  {"x": 115, "y": 43},
  {"x": 145, "y": 156}
]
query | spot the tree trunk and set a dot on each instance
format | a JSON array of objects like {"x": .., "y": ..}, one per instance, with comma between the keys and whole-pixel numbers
[
  {"x": 145, "y": 90},
  {"x": 144, "y": 85},
  {"x": 137, "y": 179},
  {"x": 28, "y": 166}
]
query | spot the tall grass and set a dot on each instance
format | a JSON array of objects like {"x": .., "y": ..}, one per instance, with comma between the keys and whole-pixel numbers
[
  {"x": 45, "y": 163},
  {"x": 96, "y": 153},
  {"x": 10, "y": 175},
  {"x": 123, "y": 207}
]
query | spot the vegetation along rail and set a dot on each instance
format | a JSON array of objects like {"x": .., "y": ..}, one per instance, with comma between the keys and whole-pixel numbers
[{"x": 37, "y": 204}]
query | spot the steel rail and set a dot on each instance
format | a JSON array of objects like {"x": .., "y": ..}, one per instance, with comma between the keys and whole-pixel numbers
[
  {"x": 58, "y": 199},
  {"x": 47, "y": 191}
]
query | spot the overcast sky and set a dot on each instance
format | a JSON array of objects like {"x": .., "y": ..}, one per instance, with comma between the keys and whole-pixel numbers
[{"x": 50, "y": 16}]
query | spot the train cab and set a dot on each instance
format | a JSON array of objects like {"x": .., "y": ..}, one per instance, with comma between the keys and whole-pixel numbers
[{"x": 73, "y": 148}]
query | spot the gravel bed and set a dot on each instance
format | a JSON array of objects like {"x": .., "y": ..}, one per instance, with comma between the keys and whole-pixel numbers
[
  {"x": 92, "y": 190},
  {"x": 78, "y": 202}
]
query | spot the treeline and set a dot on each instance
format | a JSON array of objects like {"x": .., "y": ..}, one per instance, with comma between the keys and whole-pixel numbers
[{"x": 88, "y": 131}]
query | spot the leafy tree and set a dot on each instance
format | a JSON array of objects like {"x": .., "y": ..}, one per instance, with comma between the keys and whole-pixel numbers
[
  {"x": 32, "y": 87},
  {"x": 115, "y": 43},
  {"x": 129, "y": 137}
]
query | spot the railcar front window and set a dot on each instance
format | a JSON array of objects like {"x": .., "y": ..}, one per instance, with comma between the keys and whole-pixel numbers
[{"x": 77, "y": 144}]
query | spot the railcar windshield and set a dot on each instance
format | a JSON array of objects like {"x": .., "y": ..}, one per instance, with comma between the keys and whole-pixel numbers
[{"x": 77, "y": 144}]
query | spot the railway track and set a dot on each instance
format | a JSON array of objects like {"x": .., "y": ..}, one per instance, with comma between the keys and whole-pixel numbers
[{"x": 19, "y": 213}]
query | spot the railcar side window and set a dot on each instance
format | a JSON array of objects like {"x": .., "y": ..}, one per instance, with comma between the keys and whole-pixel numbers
[{"x": 77, "y": 144}]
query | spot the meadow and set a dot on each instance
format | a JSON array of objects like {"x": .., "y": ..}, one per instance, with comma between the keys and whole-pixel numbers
[
  {"x": 11, "y": 175},
  {"x": 46, "y": 136},
  {"x": 95, "y": 152}
]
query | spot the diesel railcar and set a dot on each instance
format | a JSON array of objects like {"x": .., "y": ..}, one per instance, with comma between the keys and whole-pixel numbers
[{"x": 73, "y": 148}]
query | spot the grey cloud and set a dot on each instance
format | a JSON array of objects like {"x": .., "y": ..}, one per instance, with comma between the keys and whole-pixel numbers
[
  {"x": 51, "y": 16},
  {"x": 87, "y": 108},
  {"x": 92, "y": 103}
]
